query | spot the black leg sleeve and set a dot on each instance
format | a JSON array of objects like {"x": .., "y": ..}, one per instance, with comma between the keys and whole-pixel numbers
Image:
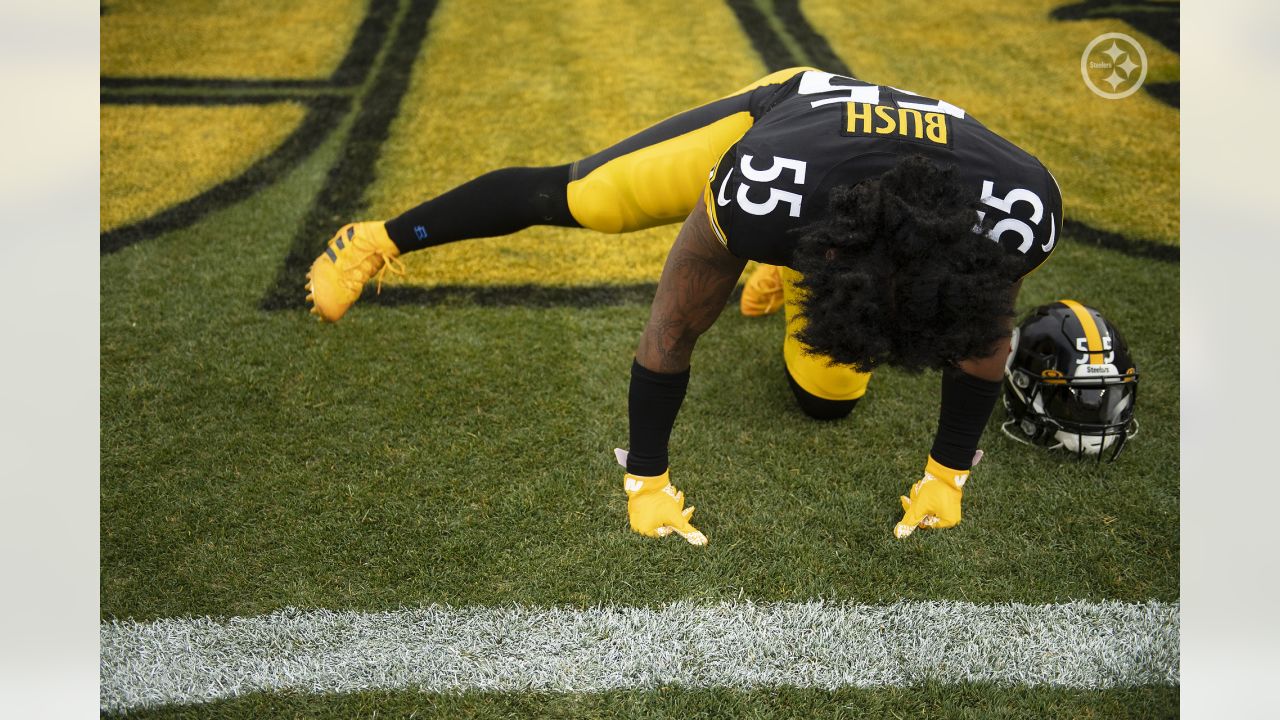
[
  {"x": 497, "y": 203},
  {"x": 967, "y": 402},
  {"x": 653, "y": 402}
]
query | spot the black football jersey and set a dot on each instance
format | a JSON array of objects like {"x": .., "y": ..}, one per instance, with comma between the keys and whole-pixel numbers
[{"x": 818, "y": 131}]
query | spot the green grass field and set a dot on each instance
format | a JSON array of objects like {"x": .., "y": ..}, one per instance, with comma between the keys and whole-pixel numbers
[{"x": 457, "y": 449}]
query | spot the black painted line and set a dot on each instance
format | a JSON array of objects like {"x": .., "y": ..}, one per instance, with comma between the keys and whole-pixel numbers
[
  {"x": 821, "y": 55},
  {"x": 190, "y": 83},
  {"x": 369, "y": 39},
  {"x": 1168, "y": 93},
  {"x": 342, "y": 199},
  {"x": 216, "y": 99},
  {"x": 540, "y": 296},
  {"x": 322, "y": 117},
  {"x": 324, "y": 114},
  {"x": 1156, "y": 19},
  {"x": 768, "y": 45}
]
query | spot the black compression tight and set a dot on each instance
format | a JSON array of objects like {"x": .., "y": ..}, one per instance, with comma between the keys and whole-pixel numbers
[{"x": 497, "y": 203}]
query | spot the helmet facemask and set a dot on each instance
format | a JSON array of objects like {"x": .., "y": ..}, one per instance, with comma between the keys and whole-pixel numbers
[{"x": 1088, "y": 416}]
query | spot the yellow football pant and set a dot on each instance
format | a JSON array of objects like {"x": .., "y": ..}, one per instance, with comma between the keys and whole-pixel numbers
[
  {"x": 814, "y": 373},
  {"x": 656, "y": 176}
]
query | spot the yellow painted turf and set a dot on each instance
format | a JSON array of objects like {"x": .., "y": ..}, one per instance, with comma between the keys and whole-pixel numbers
[
  {"x": 571, "y": 80},
  {"x": 1018, "y": 72},
  {"x": 153, "y": 157},
  {"x": 280, "y": 39}
]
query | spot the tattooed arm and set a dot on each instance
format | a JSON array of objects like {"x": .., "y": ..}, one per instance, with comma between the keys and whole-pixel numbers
[{"x": 696, "y": 282}]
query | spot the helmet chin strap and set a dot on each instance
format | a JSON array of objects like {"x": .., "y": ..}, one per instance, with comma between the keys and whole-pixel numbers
[{"x": 1004, "y": 427}]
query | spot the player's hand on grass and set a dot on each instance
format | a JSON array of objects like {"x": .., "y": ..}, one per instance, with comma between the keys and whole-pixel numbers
[
  {"x": 935, "y": 498},
  {"x": 655, "y": 507}
]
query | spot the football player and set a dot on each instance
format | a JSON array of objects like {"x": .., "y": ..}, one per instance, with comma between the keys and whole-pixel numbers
[{"x": 890, "y": 228}]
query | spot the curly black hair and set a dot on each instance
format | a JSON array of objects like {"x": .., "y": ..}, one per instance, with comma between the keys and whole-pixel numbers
[{"x": 895, "y": 274}]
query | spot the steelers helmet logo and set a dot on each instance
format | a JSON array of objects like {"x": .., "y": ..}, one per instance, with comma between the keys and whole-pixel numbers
[{"x": 1113, "y": 65}]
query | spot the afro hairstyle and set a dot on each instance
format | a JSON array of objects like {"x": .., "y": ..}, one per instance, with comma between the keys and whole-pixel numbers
[{"x": 900, "y": 272}]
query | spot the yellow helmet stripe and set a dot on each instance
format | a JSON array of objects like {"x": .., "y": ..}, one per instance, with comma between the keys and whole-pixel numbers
[{"x": 1091, "y": 334}]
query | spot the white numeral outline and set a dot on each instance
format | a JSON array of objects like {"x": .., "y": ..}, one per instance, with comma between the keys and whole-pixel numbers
[
  {"x": 814, "y": 82},
  {"x": 1014, "y": 196},
  {"x": 941, "y": 106},
  {"x": 817, "y": 83},
  {"x": 774, "y": 171},
  {"x": 1082, "y": 344},
  {"x": 1011, "y": 224},
  {"x": 769, "y": 174},
  {"x": 775, "y": 196}
]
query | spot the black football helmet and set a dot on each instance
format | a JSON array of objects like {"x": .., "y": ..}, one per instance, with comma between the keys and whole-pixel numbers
[{"x": 1070, "y": 382}]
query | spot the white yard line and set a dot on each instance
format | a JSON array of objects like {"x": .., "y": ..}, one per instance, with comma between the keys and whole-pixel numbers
[{"x": 511, "y": 649}]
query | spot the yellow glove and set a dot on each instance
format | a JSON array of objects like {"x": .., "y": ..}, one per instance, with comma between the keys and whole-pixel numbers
[
  {"x": 655, "y": 507},
  {"x": 935, "y": 498}
]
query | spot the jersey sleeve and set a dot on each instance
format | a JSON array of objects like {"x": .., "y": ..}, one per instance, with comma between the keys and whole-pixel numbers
[
  {"x": 756, "y": 201},
  {"x": 1026, "y": 221},
  {"x": 1019, "y": 203},
  {"x": 1053, "y": 203}
]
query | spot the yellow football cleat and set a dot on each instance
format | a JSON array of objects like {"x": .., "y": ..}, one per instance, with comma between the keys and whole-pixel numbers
[
  {"x": 762, "y": 294},
  {"x": 356, "y": 253}
]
